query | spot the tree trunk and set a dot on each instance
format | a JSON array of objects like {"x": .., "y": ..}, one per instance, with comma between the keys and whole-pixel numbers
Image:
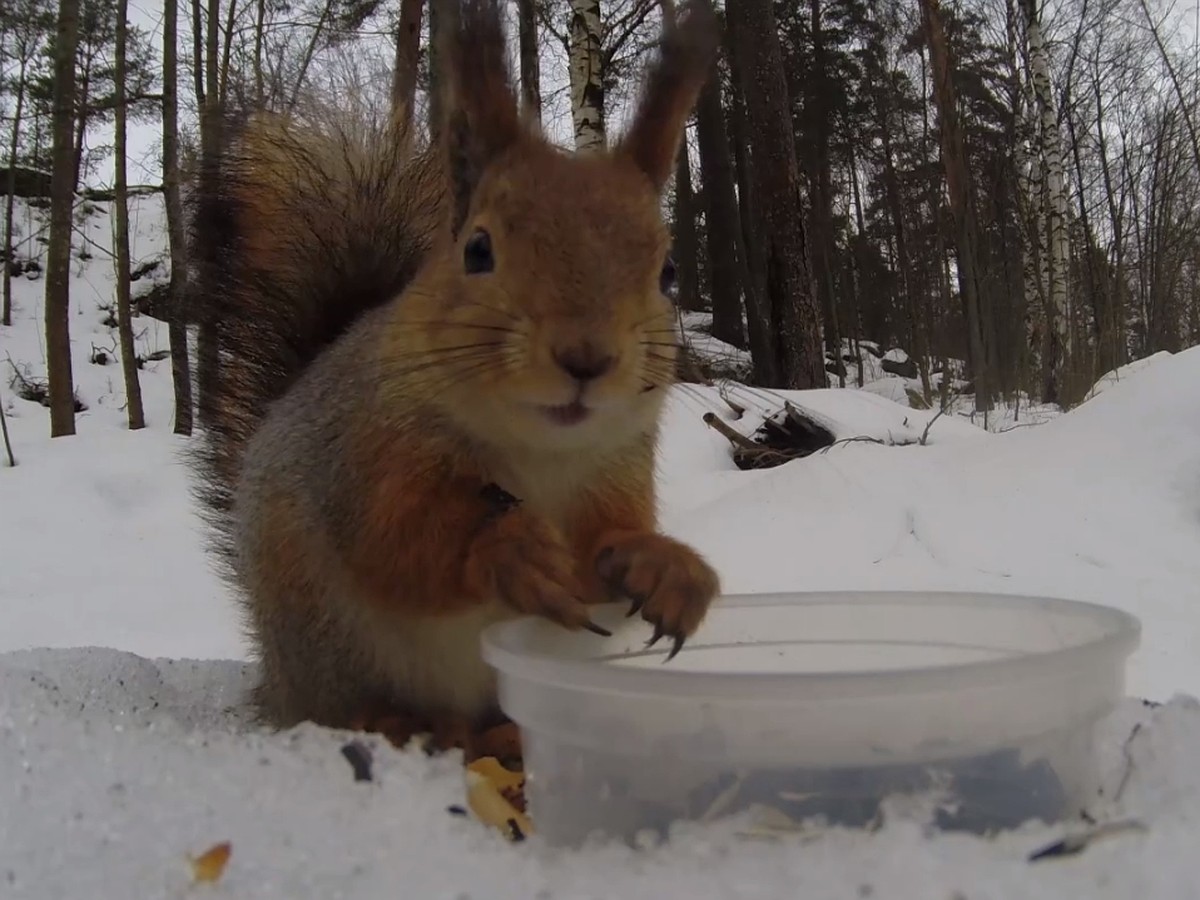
[
  {"x": 587, "y": 76},
  {"x": 531, "y": 78},
  {"x": 181, "y": 374},
  {"x": 754, "y": 266},
  {"x": 10, "y": 256},
  {"x": 408, "y": 54},
  {"x": 260, "y": 18},
  {"x": 820, "y": 125},
  {"x": 1029, "y": 180},
  {"x": 1117, "y": 224},
  {"x": 720, "y": 216},
  {"x": 435, "y": 85},
  {"x": 1095, "y": 290},
  {"x": 794, "y": 319},
  {"x": 1057, "y": 256},
  {"x": 208, "y": 350},
  {"x": 854, "y": 265},
  {"x": 954, "y": 159},
  {"x": 129, "y": 367},
  {"x": 686, "y": 243},
  {"x": 83, "y": 87},
  {"x": 198, "y": 54},
  {"x": 226, "y": 52},
  {"x": 891, "y": 186},
  {"x": 58, "y": 253}
]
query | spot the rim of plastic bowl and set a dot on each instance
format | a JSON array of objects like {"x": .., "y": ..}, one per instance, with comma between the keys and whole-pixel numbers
[{"x": 1121, "y": 636}]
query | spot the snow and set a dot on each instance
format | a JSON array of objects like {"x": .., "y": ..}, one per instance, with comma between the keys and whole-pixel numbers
[
  {"x": 117, "y": 768},
  {"x": 124, "y": 746}
]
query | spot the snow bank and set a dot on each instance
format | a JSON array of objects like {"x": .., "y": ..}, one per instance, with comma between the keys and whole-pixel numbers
[
  {"x": 1101, "y": 504},
  {"x": 117, "y": 768}
]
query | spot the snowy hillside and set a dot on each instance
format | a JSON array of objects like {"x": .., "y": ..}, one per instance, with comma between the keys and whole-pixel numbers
[{"x": 122, "y": 759}]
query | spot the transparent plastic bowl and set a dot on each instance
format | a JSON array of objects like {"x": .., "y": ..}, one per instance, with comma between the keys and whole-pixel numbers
[{"x": 814, "y": 706}]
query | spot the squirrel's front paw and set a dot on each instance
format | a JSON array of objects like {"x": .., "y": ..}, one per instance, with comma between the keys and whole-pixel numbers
[
  {"x": 525, "y": 561},
  {"x": 669, "y": 582}
]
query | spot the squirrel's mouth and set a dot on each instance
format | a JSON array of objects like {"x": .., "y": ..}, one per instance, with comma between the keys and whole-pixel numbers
[{"x": 567, "y": 414}]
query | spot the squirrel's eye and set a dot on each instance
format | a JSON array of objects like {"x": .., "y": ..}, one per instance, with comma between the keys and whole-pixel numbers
[
  {"x": 477, "y": 255},
  {"x": 666, "y": 280}
]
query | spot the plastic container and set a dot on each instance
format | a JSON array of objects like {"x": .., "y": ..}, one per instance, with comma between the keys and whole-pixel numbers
[{"x": 800, "y": 706}]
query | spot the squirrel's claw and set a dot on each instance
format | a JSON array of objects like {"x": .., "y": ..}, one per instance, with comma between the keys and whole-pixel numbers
[
  {"x": 678, "y": 645},
  {"x": 657, "y": 636},
  {"x": 591, "y": 626},
  {"x": 665, "y": 580},
  {"x": 677, "y": 641}
]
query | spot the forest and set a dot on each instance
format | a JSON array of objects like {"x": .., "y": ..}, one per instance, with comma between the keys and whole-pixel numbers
[{"x": 1005, "y": 190}]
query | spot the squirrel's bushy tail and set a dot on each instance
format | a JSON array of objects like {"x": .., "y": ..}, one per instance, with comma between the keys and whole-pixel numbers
[{"x": 297, "y": 228}]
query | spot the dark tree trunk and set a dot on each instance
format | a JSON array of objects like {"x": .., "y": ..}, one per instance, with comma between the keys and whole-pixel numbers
[
  {"x": 208, "y": 339},
  {"x": 685, "y": 254},
  {"x": 58, "y": 253},
  {"x": 408, "y": 52},
  {"x": 722, "y": 229},
  {"x": 435, "y": 84},
  {"x": 820, "y": 125},
  {"x": 198, "y": 53},
  {"x": 129, "y": 367},
  {"x": 181, "y": 373},
  {"x": 531, "y": 78},
  {"x": 966, "y": 235},
  {"x": 891, "y": 186},
  {"x": 794, "y": 320},
  {"x": 754, "y": 266}
]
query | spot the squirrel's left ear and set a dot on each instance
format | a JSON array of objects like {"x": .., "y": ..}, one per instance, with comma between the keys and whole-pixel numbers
[
  {"x": 673, "y": 83},
  {"x": 481, "y": 120}
]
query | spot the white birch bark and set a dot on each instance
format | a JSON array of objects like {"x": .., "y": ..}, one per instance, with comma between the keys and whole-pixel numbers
[
  {"x": 1057, "y": 256},
  {"x": 587, "y": 84}
]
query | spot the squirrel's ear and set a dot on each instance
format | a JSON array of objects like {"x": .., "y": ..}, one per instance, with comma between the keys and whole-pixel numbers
[
  {"x": 673, "y": 83},
  {"x": 482, "y": 118}
]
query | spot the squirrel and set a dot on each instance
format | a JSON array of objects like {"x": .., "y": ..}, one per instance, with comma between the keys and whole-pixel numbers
[{"x": 442, "y": 370}]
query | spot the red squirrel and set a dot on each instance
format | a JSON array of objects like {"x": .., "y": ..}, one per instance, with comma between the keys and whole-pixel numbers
[{"x": 442, "y": 373}]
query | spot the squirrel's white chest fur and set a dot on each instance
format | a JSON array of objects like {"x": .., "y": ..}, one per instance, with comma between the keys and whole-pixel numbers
[{"x": 436, "y": 661}]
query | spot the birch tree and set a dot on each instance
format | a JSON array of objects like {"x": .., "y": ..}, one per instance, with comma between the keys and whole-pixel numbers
[
  {"x": 1049, "y": 169},
  {"x": 587, "y": 74}
]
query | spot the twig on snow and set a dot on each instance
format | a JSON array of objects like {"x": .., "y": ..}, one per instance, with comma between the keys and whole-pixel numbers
[
  {"x": 925, "y": 433},
  {"x": 12, "y": 460}
]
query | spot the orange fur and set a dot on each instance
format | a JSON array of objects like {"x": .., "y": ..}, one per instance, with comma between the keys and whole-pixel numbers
[{"x": 389, "y": 380}]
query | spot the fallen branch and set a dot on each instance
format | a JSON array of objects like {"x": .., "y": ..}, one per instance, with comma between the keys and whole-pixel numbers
[{"x": 739, "y": 441}]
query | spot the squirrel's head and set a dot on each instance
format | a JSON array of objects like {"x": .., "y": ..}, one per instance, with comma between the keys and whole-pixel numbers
[{"x": 551, "y": 309}]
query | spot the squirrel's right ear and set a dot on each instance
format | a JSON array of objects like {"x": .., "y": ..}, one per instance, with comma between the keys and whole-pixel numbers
[
  {"x": 686, "y": 54},
  {"x": 482, "y": 119}
]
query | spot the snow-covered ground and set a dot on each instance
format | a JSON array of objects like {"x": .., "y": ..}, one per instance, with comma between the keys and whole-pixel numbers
[{"x": 124, "y": 748}]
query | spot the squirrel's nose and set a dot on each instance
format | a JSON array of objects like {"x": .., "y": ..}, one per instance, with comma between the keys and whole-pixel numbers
[{"x": 584, "y": 361}]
